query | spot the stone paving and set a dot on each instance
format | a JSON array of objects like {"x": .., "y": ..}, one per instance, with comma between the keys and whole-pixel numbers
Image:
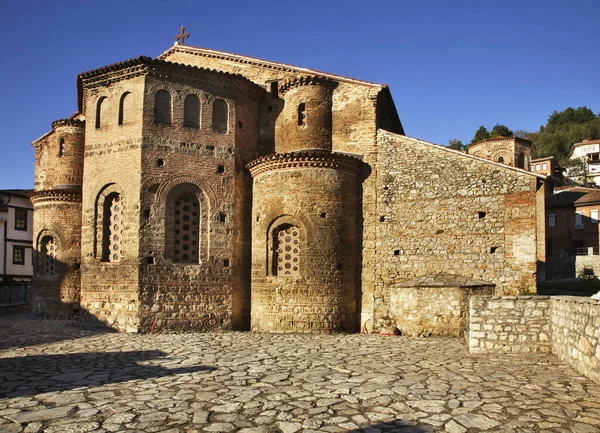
[{"x": 56, "y": 378}]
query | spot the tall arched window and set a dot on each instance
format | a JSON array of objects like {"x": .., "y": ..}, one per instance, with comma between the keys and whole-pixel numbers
[
  {"x": 61, "y": 147},
  {"x": 112, "y": 228},
  {"x": 186, "y": 228},
  {"x": 162, "y": 107},
  {"x": 191, "y": 111},
  {"x": 220, "y": 116},
  {"x": 286, "y": 251},
  {"x": 100, "y": 112},
  {"x": 302, "y": 114},
  {"x": 125, "y": 108},
  {"x": 48, "y": 252}
]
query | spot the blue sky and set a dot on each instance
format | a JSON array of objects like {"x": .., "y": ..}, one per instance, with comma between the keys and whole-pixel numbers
[{"x": 451, "y": 65}]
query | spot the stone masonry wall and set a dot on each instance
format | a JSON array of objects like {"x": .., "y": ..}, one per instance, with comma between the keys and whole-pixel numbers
[
  {"x": 568, "y": 327},
  {"x": 444, "y": 211},
  {"x": 576, "y": 334},
  {"x": 511, "y": 324}
]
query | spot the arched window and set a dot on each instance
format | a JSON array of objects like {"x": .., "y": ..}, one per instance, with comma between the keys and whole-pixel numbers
[
  {"x": 220, "y": 116},
  {"x": 191, "y": 111},
  {"x": 100, "y": 112},
  {"x": 501, "y": 159},
  {"x": 162, "y": 107},
  {"x": 61, "y": 147},
  {"x": 125, "y": 108},
  {"x": 112, "y": 228},
  {"x": 302, "y": 114},
  {"x": 185, "y": 228},
  {"x": 48, "y": 251},
  {"x": 521, "y": 160},
  {"x": 286, "y": 251}
]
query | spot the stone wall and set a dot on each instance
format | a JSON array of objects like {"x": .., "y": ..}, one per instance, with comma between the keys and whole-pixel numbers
[
  {"x": 569, "y": 327},
  {"x": 572, "y": 267},
  {"x": 576, "y": 334},
  {"x": 511, "y": 324},
  {"x": 443, "y": 211}
]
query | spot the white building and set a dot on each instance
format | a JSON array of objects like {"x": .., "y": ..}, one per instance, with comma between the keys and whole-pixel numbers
[
  {"x": 589, "y": 151},
  {"x": 16, "y": 236}
]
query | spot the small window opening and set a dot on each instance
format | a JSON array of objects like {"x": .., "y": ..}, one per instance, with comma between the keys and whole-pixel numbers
[
  {"x": 160, "y": 162},
  {"x": 382, "y": 219},
  {"x": 61, "y": 148},
  {"x": 396, "y": 252},
  {"x": 302, "y": 114},
  {"x": 226, "y": 263},
  {"x": 149, "y": 260},
  {"x": 386, "y": 187},
  {"x": 493, "y": 250},
  {"x": 220, "y": 169},
  {"x": 146, "y": 213},
  {"x": 240, "y": 124},
  {"x": 323, "y": 215},
  {"x": 257, "y": 218},
  {"x": 210, "y": 147},
  {"x": 481, "y": 214},
  {"x": 222, "y": 217},
  {"x": 274, "y": 90},
  {"x": 501, "y": 159}
]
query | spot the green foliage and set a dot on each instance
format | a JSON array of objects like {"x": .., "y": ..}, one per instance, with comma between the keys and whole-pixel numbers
[
  {"x": 456, "y": 144},
  {"x": 500, "y": 131},
  {"x": 563, "y": 130},
  {"x": 481, "y": 134}
]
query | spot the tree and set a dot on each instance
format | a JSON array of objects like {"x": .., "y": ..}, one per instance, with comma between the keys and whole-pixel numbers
[
  {"x": 456, "y": 144},
  {"x": 481, "y": 134},
  {"x": 500, "y": 131}
]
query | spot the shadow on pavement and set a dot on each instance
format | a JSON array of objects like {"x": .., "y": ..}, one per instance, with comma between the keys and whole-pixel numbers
[
  {"x": 398, "y": 426},
  {"x": 35, "y": 374}
]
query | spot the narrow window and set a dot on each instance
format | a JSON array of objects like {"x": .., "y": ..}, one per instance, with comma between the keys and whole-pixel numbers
[
  {"x": 302, "y": 114},
  {"x": 594, "y": 216},
  {"x": 537, "y": 167},
  {"x": 61, "y": 147},
  {"x": 286, "y": 251},
  {"x": 18, "y": 255},
  {"x": 112, "y": 230},
  {"x": 274, "y": 90},
  {"x": 21, "y": 219},
  {"x": 220, "y": 116},
  {"x": 191, "y": 111},
  {"x": 579, "y": 219},
  {"x": 100, "y": 107},
  {"x": 48, "y": 252},
  {"x": 552, "y": 220},
  {"x": 501, "y": 159},
  {"x": 187, "y": 217},
  {"x": 124, "y": 108},
  {"x": 162, "y": 107},
  {"x": 521, "y": 160}
]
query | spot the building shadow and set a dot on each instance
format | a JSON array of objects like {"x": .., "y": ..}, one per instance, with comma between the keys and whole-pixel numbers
[
  {"x": 36, "y": 374},
  {"x": 397, "y": 425}
]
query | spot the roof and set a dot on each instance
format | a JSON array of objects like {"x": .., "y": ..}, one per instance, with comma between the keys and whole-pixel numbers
[
  {"x": 16, "y": 192},
  {"x": 260, "y": 62},
  {"x": 466, "y": 155},
  {"x": 501, "y": 138},
  {"x": 571, "y": 196},
  {"x": 546, "y": 158}
]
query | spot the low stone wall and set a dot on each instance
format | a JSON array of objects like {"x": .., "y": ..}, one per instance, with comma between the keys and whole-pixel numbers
[
  {"x": 569, "y": 327},
  {"x": 576, "y": 334},
  {"x": 510, "y": 324}
]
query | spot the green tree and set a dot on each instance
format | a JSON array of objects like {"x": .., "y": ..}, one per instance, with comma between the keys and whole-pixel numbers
[
  {"x": 481, "y": 134},
  {"x": 500, "y": 131},
  {"x": 456, "y": 144}
]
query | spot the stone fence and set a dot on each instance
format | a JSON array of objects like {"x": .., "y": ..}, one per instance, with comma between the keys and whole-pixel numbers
[{"x": 566, "y": 326}]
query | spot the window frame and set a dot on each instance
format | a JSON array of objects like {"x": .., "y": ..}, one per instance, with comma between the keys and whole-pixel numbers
[
  {"x": 14, "y": 258},
  {"x": 25, "y": 225},
  {"x": 551, "y": 220},
  {"x": 594, "y": 216},
  {"x": 581, "y": 214}
]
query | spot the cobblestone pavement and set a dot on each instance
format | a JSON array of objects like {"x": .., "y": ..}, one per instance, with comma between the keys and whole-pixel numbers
[{"x": 55, "y": 378}]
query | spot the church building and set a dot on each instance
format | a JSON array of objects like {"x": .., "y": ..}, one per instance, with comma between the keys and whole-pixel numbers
[{"x": 206, "y": 190}]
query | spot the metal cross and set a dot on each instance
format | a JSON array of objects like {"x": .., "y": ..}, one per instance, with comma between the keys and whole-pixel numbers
[{"x": 182, "y": 35}]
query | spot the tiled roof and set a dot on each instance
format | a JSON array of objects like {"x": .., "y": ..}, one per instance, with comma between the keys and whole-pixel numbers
[
  {"x": 16, "y": 192},
  {"x": 590, "y": 197},
  {"x": 570, "y": 196}
]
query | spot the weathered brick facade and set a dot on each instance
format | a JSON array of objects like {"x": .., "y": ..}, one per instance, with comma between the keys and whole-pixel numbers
[{"x": 204, "y": 189}]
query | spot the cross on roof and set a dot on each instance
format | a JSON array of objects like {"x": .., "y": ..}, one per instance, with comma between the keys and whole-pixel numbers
[{"x": 182, "y": 35}]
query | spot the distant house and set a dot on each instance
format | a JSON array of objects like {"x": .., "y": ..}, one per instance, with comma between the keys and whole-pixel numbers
[
  {"x": 16, "y": 236},
  {"x": 589, "y": 152},
  {"x": 548, "y": 166},
  {"x": 513, "y": 151},
  {"x": 572, "y": 215}
]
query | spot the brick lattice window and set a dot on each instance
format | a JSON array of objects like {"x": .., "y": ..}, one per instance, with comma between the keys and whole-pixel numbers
[
  {"x": 21, "y": 219},
  {"x": 191, "y": 112},
  {"x": 162, "y": 107},
  {"x": 48, "y": 256},
  {"x": 286, "y": 251},
  {"x": 112, "y": 230},
  {"x": 220, "y": 116},
  {"x": 187, "y": 214},
  {"x": 18, "y": 255}
]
